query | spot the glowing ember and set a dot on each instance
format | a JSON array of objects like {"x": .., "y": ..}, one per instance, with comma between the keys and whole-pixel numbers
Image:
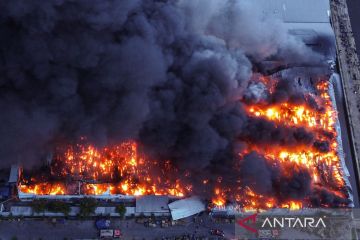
[
  {"x": 122, "y": 169},
  {"x": 322, "y": 165}
]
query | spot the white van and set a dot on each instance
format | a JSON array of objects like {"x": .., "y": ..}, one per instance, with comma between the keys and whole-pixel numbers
[{"x": 106, "y": 233}]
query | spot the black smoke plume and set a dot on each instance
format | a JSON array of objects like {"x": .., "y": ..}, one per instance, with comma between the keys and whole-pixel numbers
[
  {"x": 156, "y": 71},
  {"x": 167, "y": 73}
]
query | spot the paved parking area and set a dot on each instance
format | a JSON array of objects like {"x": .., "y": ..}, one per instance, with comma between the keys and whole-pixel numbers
[
  {"x": 30, "y": 229},
  {"x": 45, "y": 229}
]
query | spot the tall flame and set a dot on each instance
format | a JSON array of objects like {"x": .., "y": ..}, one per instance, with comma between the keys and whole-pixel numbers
[{"x": 122, "y": 169}]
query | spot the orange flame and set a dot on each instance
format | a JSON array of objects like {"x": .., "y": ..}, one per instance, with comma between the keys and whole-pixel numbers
[{"x": 123, "y": 170}]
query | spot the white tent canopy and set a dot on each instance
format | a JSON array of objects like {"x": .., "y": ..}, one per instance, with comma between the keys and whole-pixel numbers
[{"x": 186, "y": 208}]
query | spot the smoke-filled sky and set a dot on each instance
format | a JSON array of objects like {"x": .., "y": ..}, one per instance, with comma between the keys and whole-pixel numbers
[{"x": 168, "y": 73}]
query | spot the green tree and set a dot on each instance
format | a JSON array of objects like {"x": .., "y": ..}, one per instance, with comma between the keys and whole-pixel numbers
[
  {"x": 58, "y": 206},
  {"x": 121, "y": 209},
  {"x": 39, "y": 205},
  {"x": 87, "y": 206}
]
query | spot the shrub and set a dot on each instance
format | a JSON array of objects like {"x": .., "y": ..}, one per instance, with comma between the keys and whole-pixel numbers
[
  {"x": 39, "y": 205},
  {"x": 87, "y": 206},
  {"x": 58, "y": 206},
  {"x": 121, "y": 209}
]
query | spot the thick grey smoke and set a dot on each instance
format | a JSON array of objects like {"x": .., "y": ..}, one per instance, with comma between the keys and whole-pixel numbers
[
  {"x": 158, "y": 71},
  {"x": 167, "y": 73},
  {"x": 265, "y": 178}
]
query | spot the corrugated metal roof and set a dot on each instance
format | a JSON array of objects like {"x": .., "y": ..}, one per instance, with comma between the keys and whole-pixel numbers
[
  {"x": 28, "y": 211},
  {"x": 152, "y": 204},
  {"x": 304, "y": 11},
  {"x": 186, "y": 207},
  {"x": 315, "y": 11},
  {"x": 21, "y": 210},
  {"x": 306, "y": 19},
  {"x": 105, "y": 210},
  {"x": 310, "y": 30}
]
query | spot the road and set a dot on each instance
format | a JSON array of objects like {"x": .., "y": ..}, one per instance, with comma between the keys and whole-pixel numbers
[
  {"x": 354, "y": 13},
  {"x": 350, "y": 74},
  {"x": 44, "y": 229},
  {"x": 30, "y": 229}
]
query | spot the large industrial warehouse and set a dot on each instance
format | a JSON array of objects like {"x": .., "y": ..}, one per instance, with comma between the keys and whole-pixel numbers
[
  {"x": 314, "y": 28},
  {"x": 189, "y": 115}
]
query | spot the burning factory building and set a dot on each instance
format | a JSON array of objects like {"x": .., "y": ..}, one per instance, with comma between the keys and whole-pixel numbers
[
  {"x": 177, "y": 98},
  {"x": 309, "y": 159}
]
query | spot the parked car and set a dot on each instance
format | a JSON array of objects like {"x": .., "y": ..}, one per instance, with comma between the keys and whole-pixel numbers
[
  {"x": 217, "y": 232},
  {"x": 110, "y": 233},
  {"x": 165, "y": 224},
  {"x": 102, "y": 224},
  {"x": 117, "y": 233},
  {"x": 106, "y": 233}
]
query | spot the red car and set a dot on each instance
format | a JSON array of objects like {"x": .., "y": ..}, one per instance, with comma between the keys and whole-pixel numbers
[{"x": 117, "y": 233}]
